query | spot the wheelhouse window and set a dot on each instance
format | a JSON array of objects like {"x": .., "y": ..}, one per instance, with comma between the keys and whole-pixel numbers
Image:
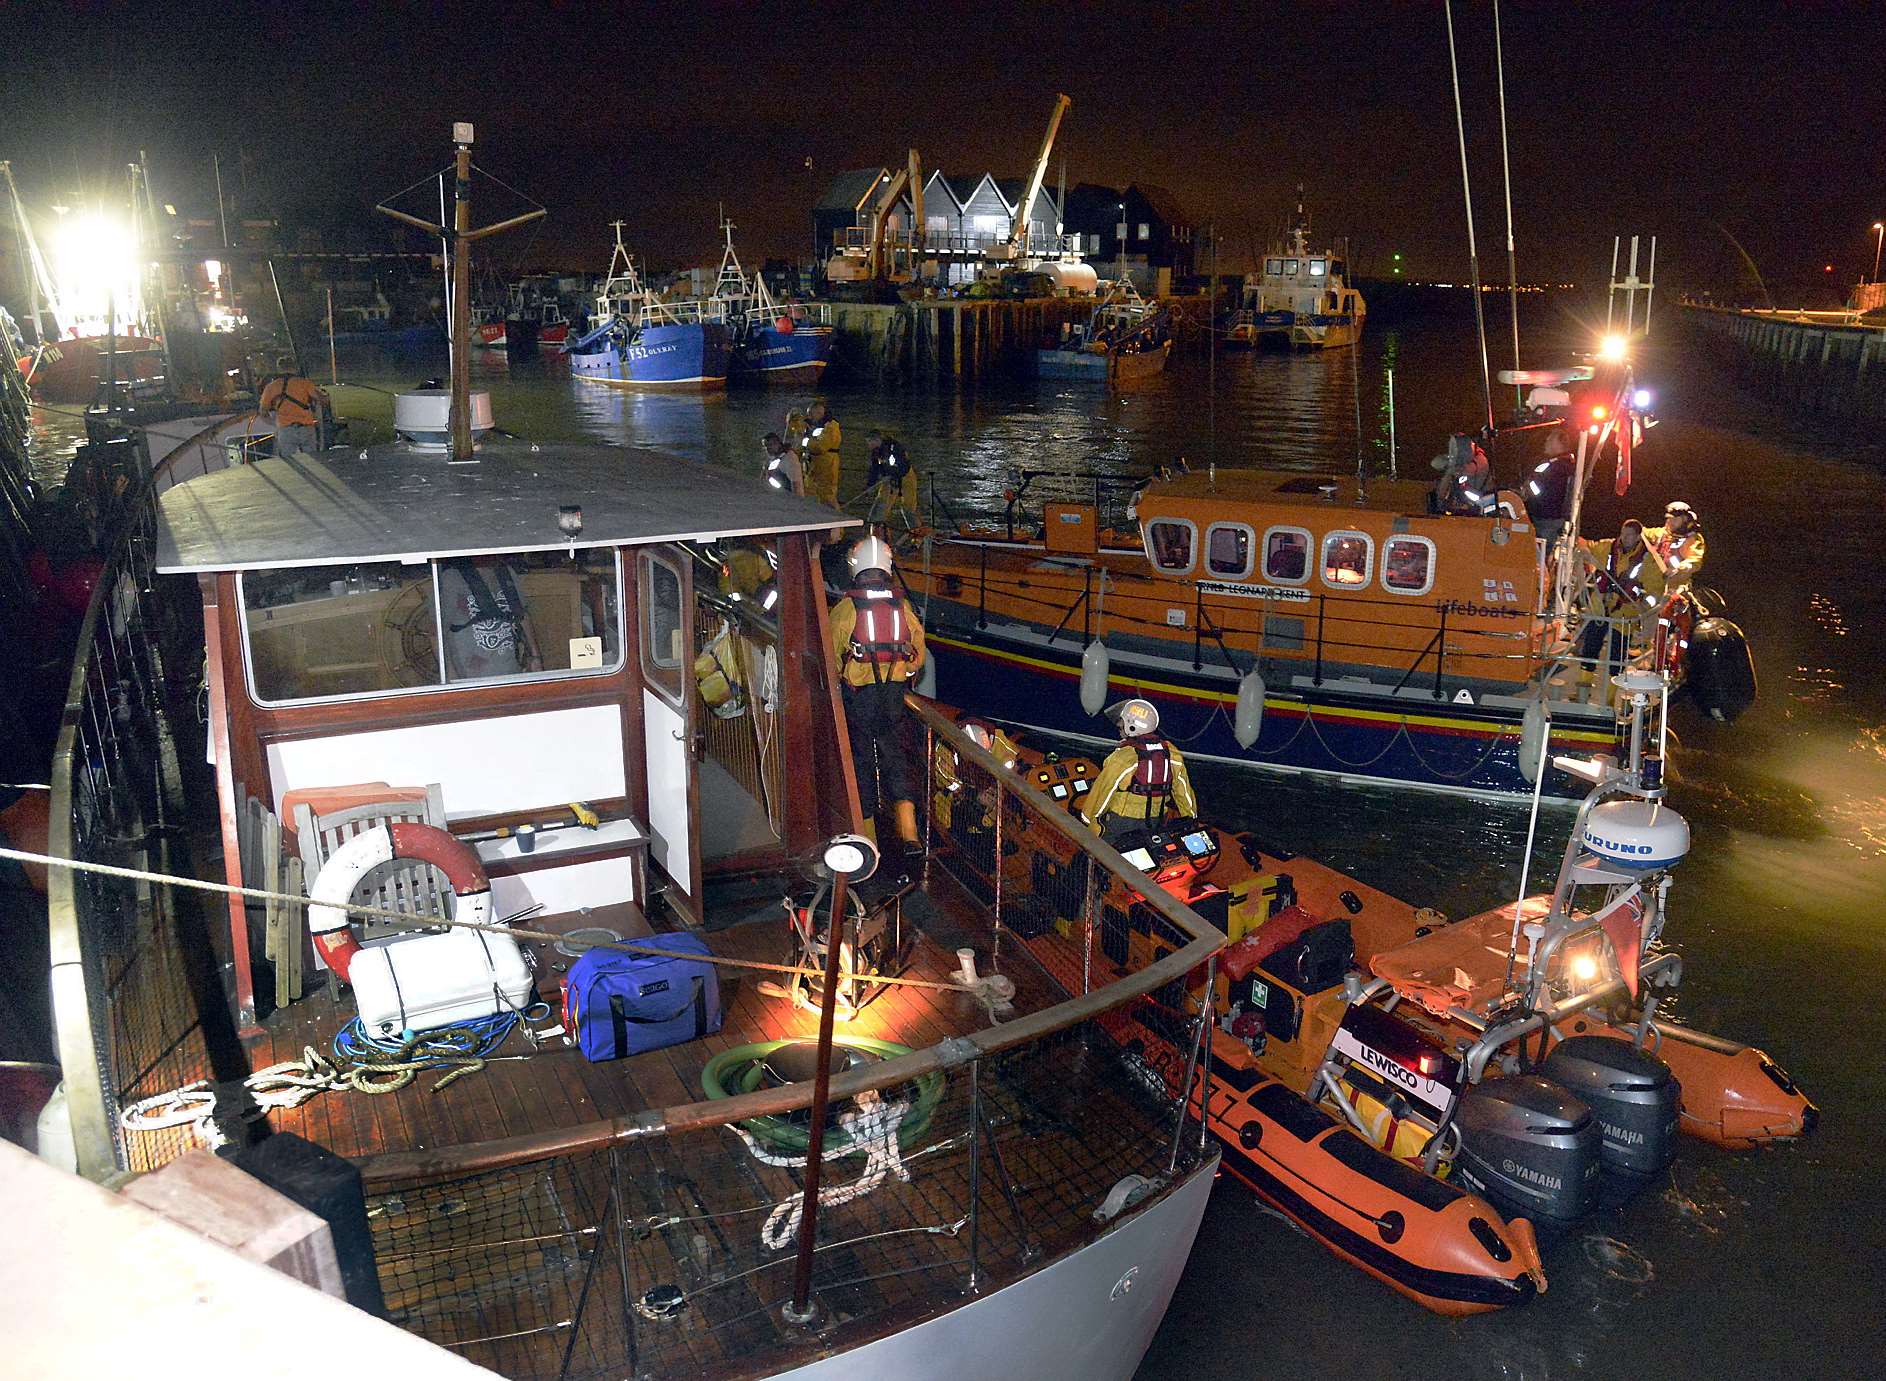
[
  {"x": 1169, "y": 544},
  {"x": 1346, "y": 559},
  {"x": 1287, "y": 555},
  {"x": 1408, "y": 565},
  {"x": 1290, "y": 266},
  {"x": 1228, "y": 550},
  {"x": 663, "y": 629},
  {"x": 1273, "y": 267},
  {"x": 1318, "y": 267},
  {"x": 325, "y": 632},
  {"x": 506, "y": 616}
]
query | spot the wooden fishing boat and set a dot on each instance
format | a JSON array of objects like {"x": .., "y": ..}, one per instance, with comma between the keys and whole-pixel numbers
[
  {"x": 417, "y": 657},
  {"x": 1124, "y": 340}
]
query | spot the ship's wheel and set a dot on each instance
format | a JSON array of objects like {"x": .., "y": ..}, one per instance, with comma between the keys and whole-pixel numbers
[{"x": 409, "y": 651}]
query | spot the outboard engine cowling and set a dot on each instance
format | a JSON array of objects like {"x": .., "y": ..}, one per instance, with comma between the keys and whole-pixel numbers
[
  {"x": 1630, "y": 1091},
  {"x": 1721, "y": 673},
  {"x": 1529, "y": 1147}
]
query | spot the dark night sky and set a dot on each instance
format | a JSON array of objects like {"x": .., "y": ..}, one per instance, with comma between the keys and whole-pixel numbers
[{"x": 1625, "y": 118}]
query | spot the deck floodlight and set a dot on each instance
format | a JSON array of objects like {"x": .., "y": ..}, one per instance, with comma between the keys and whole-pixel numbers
[{"x": 852, "y": 855}]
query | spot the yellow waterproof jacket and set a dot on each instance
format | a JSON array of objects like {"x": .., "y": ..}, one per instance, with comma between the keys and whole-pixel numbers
[
  {"x": 949, "y": 767},
  {"x": 821, "y": 446},
  {"x": 1682, "y": 555},
  {"x": 1109, "y": 795},
  {"x": 856, "y": 673},
  {"x": 1638, "y": 567}
]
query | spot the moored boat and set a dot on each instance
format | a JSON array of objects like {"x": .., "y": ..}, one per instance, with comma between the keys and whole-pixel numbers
[
  {"x": 1299, "y": 299},
  {"x": 1125, "y": 339},
  {"x": 505, "y": 628},
  {"x": 773, "y": 342},
  {"x": 638, "y": 340}
]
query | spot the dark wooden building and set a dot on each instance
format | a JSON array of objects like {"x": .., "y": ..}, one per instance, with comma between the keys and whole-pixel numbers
[{"x": 1145, "y": 223}]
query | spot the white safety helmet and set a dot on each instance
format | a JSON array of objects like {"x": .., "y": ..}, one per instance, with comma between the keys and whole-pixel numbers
[
  {"x": 1137, "y": 717},
  {"x": 870, "y": 554},
  {"x": 979, "y": 734}
]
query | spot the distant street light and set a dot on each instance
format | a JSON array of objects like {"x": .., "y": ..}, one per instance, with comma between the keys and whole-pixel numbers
[{"x": 1879, "y": 237}]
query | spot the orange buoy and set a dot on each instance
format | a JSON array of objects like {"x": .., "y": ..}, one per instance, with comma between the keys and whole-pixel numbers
[{"x": 785, "y": 326}]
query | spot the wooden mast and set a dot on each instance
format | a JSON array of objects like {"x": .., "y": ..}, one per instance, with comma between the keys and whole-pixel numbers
[{"x": 461, "y": 235}]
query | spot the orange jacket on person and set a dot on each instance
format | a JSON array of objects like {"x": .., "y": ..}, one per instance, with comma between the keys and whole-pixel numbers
[{"x": 294, "y": 400}]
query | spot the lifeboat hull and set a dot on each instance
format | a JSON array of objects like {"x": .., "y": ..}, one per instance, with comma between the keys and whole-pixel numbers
[
  {"x": 1733, "y": 1095},
  {"x": 1442, "y": 1247}
]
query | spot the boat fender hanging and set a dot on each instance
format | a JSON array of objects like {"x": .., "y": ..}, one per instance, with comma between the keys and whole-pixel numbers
[
  {"x": 1096, "y": 670},
  {"x": 349, "y": 864},
  {"x": 1532, "y": 731},
  {"x": 1248, "y": 722}
]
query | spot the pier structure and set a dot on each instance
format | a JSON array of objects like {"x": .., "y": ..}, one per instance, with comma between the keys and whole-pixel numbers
[
  {"x": 1823, "y": 362},
  {"x": 951, "y": 338}
]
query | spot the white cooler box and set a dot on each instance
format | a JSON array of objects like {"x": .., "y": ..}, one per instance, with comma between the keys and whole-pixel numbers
[{"x": 438, "y": 980}]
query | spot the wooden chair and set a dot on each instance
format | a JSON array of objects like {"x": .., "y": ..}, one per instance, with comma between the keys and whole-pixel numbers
[{"x": 401, "y": 885}]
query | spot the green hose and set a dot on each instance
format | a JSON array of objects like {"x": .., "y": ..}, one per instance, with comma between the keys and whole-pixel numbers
[{"x": 739, "y": 1070}]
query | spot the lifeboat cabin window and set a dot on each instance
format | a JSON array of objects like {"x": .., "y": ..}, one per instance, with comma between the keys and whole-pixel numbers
[
  {"x": 326, "y": 632},
  {"x": 662, "y": 627},
  {"x": 1408, "y": 565},
  {"x": 1346, "y": 559},
  {"x": 1169, "y": 544},
  {"x": 1228, "y": 549},
  {"x": 1287, "y": 555}
]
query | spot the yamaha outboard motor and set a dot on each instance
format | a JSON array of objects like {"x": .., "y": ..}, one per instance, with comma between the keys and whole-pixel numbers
[
  {"x": 1530, "y": 1148},
  {"x": 1720, "y": 674},
  {"x": 1630, "y": 1091}
]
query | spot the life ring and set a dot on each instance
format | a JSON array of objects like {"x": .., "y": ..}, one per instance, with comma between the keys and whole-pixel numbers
[{"x": 347, "y": 865}]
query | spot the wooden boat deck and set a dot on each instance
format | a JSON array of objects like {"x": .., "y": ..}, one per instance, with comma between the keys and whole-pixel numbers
[
  {"x": 527, "y": 1089},
  {"x": 560, "y": 1267}
]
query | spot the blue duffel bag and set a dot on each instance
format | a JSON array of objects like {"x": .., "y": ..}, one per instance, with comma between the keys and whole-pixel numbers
[{"x": 622, "y": 1004}]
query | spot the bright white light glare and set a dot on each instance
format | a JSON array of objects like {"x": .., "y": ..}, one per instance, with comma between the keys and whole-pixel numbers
[
  {"x": 213, "y": 269},
  {"x": 1641, "y": 399},
  {"x": 1613, "y": 348},
  {"x": 1584, "y": 968},
  {"x": 95, "y": 267}
]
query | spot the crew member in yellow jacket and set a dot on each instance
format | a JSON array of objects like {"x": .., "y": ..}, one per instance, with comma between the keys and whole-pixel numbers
[
  {"x": 1142, "y": 781},
  {"x": 823, "y": 436},
  {"x": 1679, "y": 542},
  {"x": 1626, "y": 585},
  {"x": 879, "y": 647},
  {"x": 947, "y": 772}
]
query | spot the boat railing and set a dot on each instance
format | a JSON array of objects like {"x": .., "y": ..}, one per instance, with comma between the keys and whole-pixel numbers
[{"x": 125, "y": 985}]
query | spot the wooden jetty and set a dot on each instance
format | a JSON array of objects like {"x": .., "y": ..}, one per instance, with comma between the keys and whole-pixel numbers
[{"x": 1824, "y": 362}]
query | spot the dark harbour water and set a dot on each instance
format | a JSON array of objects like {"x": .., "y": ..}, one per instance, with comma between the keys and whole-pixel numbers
[{"x": 1758, "y": 1265}]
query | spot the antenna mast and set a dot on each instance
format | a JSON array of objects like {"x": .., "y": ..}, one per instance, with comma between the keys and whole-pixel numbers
[
  {"x": 1506, "y": 166},
  {"x": 1466, "y": 189}
]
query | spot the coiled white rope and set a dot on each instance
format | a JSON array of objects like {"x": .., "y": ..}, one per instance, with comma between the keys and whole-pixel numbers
[
  {"x": 871, "y": 1126},
  {"x": 286, "y": 1085}
]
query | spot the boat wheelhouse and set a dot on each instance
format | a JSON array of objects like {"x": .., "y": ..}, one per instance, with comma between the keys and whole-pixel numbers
[{"x": 1300, "y": 298}]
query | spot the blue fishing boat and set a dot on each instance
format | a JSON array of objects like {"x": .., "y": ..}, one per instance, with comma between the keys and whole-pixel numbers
[
  {"x": 639, "y": 341},
  {"x": 773, "y": 342}
]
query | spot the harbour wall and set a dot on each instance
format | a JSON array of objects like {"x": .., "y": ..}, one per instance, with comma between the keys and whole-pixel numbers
[
  {"x": 969, "y": 339},
  {"x": 1823, "y": 363}
]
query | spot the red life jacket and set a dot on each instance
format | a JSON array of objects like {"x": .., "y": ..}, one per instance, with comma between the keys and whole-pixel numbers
[
  {"x": 1152, "y": 774},
  {"x": 881, "y": 636}
]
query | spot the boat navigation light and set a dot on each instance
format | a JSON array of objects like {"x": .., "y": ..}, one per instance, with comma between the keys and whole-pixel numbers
[
  {"x": 1584, "y": 969},
  {"x": 1613, "y": 348},
  {"x": 1600, "y": 412},
  {"x": 1641, "y": 399}
]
